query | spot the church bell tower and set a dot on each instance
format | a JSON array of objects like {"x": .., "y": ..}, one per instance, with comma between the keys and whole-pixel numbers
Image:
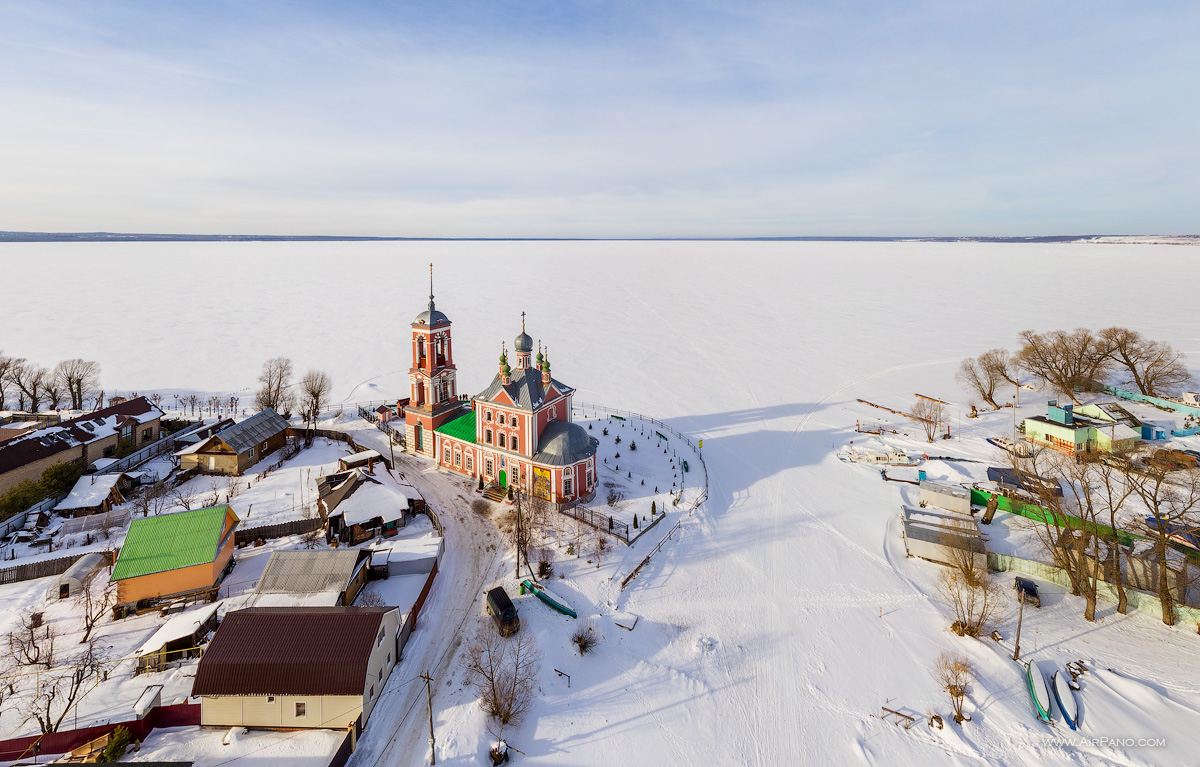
[{"x": 433, "y": 391}]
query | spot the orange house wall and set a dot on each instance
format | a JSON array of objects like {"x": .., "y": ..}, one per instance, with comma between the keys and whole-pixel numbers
[{"x": 174, "y": 581}]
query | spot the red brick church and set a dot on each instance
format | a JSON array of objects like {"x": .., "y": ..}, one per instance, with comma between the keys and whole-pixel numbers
[{"x": 515, "y": 433}]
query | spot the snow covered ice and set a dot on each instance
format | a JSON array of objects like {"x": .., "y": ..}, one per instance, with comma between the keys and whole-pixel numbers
[{"x": 784, "y": 614}]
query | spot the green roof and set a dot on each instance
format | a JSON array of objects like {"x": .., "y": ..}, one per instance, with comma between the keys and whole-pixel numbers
[
  {"x": 170, "y": 542},
  {"x": 461, "y": 428}
]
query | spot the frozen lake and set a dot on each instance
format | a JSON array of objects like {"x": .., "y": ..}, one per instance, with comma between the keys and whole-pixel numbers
[{"x": 755, "y": 347}]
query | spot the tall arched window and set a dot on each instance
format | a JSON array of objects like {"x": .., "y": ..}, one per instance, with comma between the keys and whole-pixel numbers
[
  {"x": 502, "y": 439},
  {"x": 514, "y": 442}
]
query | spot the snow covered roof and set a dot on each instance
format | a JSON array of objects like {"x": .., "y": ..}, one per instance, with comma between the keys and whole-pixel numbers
[
  {"x": 89, "y": 491},
  {"x": 371, "y": 499},
  {"x": 415, "y": 548},
  {"x": 103, "y": 463},
  {"x": 178, "y": 627},
  {"x": 363, "y": 456},
  {"x": 83, "y": 429},
  {"x": 257, "y": 428},
  {"x": 304, "y": 572},
  {"x": 307, "y": 599}
]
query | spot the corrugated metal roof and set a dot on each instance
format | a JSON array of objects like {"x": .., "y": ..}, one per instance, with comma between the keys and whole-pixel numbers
[
  {"x": 290, "y": 651},
  {"x": 526, "y": 389},
  {"x": 171, "y": 541},
  {"x": 461, "y": 428},
  {"x": 256, "y": 429},
  {"x": 306, "y": 572}
]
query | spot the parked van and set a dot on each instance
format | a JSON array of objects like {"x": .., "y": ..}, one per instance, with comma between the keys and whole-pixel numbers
[{"x": 503, "y": 611}]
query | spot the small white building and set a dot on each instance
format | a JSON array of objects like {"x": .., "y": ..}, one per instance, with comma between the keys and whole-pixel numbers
[
  {"x": 943, "y": 496},
  {"x": 942, "y": 537}
]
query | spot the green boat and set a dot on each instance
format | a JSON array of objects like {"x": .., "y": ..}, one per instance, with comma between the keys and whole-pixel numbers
[
  {"x": 1039, "y": 693},
  {"x": 547, "y": 596}
]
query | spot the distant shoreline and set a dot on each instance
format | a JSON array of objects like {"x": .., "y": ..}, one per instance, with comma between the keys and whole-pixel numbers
[{"x": 130, "y": 237}]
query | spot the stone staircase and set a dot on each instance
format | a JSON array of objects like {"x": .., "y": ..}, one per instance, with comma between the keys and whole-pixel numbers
[{"x": 495, "y": 494}]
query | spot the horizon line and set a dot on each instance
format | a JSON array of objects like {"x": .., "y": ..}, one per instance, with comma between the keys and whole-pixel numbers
[{"x": 18, "y": 236}]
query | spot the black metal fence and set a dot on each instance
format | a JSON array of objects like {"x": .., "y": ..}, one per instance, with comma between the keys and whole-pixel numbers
[{"x": 598, "y": 520}]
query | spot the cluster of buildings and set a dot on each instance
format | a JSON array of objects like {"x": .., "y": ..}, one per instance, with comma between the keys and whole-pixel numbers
[
  {"x": 1105, "y": 427},
  {"x": 31, "y": 443},
  {"x": 515, "y": 433}
]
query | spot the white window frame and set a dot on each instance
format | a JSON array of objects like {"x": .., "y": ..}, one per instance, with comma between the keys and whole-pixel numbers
[
  {"x": 568, "y": 488},
  {"x": 488, "y": 466},
  {"x": 301, "y": 709}
]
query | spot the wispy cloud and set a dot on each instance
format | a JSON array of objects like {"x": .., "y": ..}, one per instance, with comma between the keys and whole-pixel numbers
[{"x": 599, "y": 119}]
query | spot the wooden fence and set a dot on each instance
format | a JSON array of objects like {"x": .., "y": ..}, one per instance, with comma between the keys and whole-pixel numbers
[
  {"x": 247, "y": 535},
  {"x": 182, "y": 715},
  {"x": 41, "y": 569}
]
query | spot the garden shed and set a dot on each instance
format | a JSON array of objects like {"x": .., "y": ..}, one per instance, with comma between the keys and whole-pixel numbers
[
  {"x": 942, "y": 537},
  {"x": 178, "y": 638},
  {"x": 948, "y": 497}
]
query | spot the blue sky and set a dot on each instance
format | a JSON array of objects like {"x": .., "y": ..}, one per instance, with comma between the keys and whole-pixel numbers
[{"x": 600, "y": 119}]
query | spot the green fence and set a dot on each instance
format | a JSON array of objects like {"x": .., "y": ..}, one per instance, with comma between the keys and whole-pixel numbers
[
  {"x": 1137, "y": 600},
  {"x": 1058, "y": 519}
]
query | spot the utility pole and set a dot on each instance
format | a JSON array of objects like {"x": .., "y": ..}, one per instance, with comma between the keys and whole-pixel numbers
[
  {"x": 429, "y": 699},
  {"x": 518, "y": 541},
  {"x": 1020, "y": 616}
]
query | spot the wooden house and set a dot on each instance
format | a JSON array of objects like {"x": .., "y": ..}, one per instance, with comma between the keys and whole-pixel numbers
[
  {"x": 94, "y": 494},
  {"x": 360, "y": 507},
  {"x": 304, "y": 667},
  {"x": 178, "y": 638},
  {"x": 237, "y": 448},
  {"x": 175, "y": 554}
]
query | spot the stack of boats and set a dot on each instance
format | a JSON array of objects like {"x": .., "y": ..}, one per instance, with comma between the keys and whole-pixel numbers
[{"x": 1050, "y": 689}]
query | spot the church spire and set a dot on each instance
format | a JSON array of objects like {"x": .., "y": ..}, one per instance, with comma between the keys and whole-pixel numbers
[{"x": 431, "y": 309}]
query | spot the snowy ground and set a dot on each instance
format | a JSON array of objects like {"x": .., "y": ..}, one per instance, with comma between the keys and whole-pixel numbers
[{"x": 785, "y": 614}]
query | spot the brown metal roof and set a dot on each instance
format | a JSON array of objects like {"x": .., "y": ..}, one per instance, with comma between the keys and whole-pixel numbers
[
  {"x": 290, "y": 651},
  {"x": 26, "y": 449}
]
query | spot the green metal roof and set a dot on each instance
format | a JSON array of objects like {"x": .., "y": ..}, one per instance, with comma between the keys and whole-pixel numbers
[
  {"x": 170, "y": 542},
  {"x": 461, "y": 428}
]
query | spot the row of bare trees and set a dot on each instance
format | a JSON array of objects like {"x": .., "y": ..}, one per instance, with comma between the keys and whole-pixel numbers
[
  {"x": 1084, "y": 528},
  {"x": 1069, "y": 361},
  {"x": 278, "y": 392},
  {"x": 71, "y": 382}
]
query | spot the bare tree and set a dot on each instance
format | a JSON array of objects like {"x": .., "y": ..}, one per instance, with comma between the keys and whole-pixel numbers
[
  {"x": 80, "y": 378},
  {"x": 276, "y": 380},
  {"x": 32, "y": 643},
  {"x": 1065, "y": 361},
  {"x": 53, "y": 388},
  {"x": 179, "y": 497},
  {"x": 30, "y": 380},
  {"x": 954, "y": 674},
  {"x": 1069, "y": 520},
  {"x": 55, "y": 692},
  {"x": 192, "y": 401},
  {"x": 1173, "y": 500},
  {"x": 152, "y": 501},
  {"x": 1113, "y": 492},
  {"x": 973, "y": 607},
  {"x": 931, "y": 415},
  {"x": 1003, "y": 363},
  {"x": 504, "y": 673},
  {"x": 1152, "y": 367},
  {"x": 979, "y": 380},
  {"x": 6, "y": 366},
  {"x": 94, "y": 599},
  {"x": 315, "y": 387}
]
